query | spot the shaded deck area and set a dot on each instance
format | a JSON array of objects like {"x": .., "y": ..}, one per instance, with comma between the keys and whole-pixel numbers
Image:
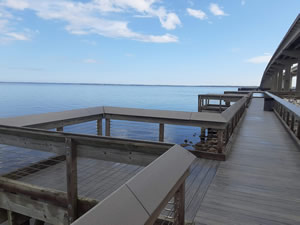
[{"x": 259, "y": 183}]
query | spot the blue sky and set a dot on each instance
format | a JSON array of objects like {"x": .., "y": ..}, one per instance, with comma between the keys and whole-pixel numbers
[{"x": 189, "y": 42}]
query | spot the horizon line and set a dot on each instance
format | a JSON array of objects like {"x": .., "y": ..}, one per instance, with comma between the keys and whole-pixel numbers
[{"x": 111, "y": 84}]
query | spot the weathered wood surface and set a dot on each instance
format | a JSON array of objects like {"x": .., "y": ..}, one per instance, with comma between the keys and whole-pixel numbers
[
  {"x": 141, "y": 199},
  {"x": 259, "y": 183},
  {"x": 55, "y": 119},
  {"x": 97, "y": 179},
  {"x": 201, "y": 175},
  {"x": 290, "y": 106},
  {"x": 113, "y": 149},
  {"x": 61, "y": 119}
]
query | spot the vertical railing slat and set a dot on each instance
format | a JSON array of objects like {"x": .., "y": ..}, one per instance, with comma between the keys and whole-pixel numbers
[{"x": 72, "y": 192}]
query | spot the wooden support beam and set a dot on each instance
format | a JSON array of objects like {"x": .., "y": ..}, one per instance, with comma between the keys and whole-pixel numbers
[
  {"x": 60, "y": 129},
  {"x": 161, "y": 132},
  {"x": 72, "y": 191},
  {"x": 99, "y": 127},
  {"x": 107, "y": 127},
  {"x": 179, "y": 205}
]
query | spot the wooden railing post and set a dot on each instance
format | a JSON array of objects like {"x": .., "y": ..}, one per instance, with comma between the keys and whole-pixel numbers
[
  {"x": 99, "y": 127},
  {"x": 72, "y": 192},
  {"x": 199, "y": 103},
  {"x": 107, "y": 127},
  {"x": 179, "y": 205},
  {"x": 298, "y": 128},
  {"x": 161, "y": 132},
  {"x": 220, "y": 141},
  {"x": 292, "y": 122}
]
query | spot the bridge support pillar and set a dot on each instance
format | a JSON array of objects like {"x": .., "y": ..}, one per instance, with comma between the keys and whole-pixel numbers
[
  {"x": 298, "y": 77},
  {"x": 287, "y": 78},
  {"x": 279, "y": 81}
]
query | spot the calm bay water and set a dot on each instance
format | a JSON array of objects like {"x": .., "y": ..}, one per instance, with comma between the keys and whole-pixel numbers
[
  {"x": 17, "y": 99},
  {"x": 22, "y": 99}
]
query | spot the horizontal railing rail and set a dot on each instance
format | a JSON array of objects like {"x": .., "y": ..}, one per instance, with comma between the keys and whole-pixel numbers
[
  {"x": 288, "y": 113},
  {"x": 142, "y": 199},
  {"x": 216, "y": 128},
  {"x": 90, "y": 146},
  {"x": 72, "y": 146}
]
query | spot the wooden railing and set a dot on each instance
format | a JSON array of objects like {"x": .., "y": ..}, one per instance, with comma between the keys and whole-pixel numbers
[
  {"x": 216, "y": 128},
  {"x": 288, "y": 113},
  {"x": 29, "y": 201},
  {"x": 216, "y": 102},
  {"x": 142, "y": 198}
]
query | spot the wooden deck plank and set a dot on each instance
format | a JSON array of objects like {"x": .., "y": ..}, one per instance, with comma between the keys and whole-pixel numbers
[
  {"x": 258, "y": 184},
  {"x": 94, "y": 176}
]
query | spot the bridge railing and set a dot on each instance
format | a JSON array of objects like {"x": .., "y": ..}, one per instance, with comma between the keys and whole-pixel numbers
[{"x": 288, "y": 113}]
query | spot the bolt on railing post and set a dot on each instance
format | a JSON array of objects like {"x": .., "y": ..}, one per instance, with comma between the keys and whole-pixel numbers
[
  {"x": 72, "y": 192},
  {"x": 179, "y": 205}
]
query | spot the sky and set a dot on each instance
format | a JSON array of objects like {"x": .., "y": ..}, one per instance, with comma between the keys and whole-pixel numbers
[{"x": 174, "y": 42}]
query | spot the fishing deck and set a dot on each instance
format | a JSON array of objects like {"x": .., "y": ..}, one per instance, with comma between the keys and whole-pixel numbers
[{"x": 256, "y": 183}]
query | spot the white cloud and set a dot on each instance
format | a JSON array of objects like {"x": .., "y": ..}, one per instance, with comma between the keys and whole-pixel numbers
[
  {"x": 170, "y": 21},
  {"x": 197, "y": 13},
  {"x": 16, "y": 4},
  {"x": 17, "y": 36},
  {"x": 7, "y": 32},
  {"x": 260, "y": 59},
  {"x": 216, "y": 10},
  {"x": 90, "y": 61},
  {"x": 94, "y": 16}
]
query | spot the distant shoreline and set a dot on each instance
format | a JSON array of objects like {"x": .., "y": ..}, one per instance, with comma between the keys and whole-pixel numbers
[{"x": 103, "y": 84}]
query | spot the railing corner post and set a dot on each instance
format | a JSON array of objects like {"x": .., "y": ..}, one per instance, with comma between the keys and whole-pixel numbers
[
  {"x": 179, "y": 201},
  {"x": 72, "y": 192}
]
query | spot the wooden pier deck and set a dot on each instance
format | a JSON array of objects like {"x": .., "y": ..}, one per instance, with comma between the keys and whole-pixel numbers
[
  {"x": 97, "y": 179},
  {"x": 259, "y": 183}
]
